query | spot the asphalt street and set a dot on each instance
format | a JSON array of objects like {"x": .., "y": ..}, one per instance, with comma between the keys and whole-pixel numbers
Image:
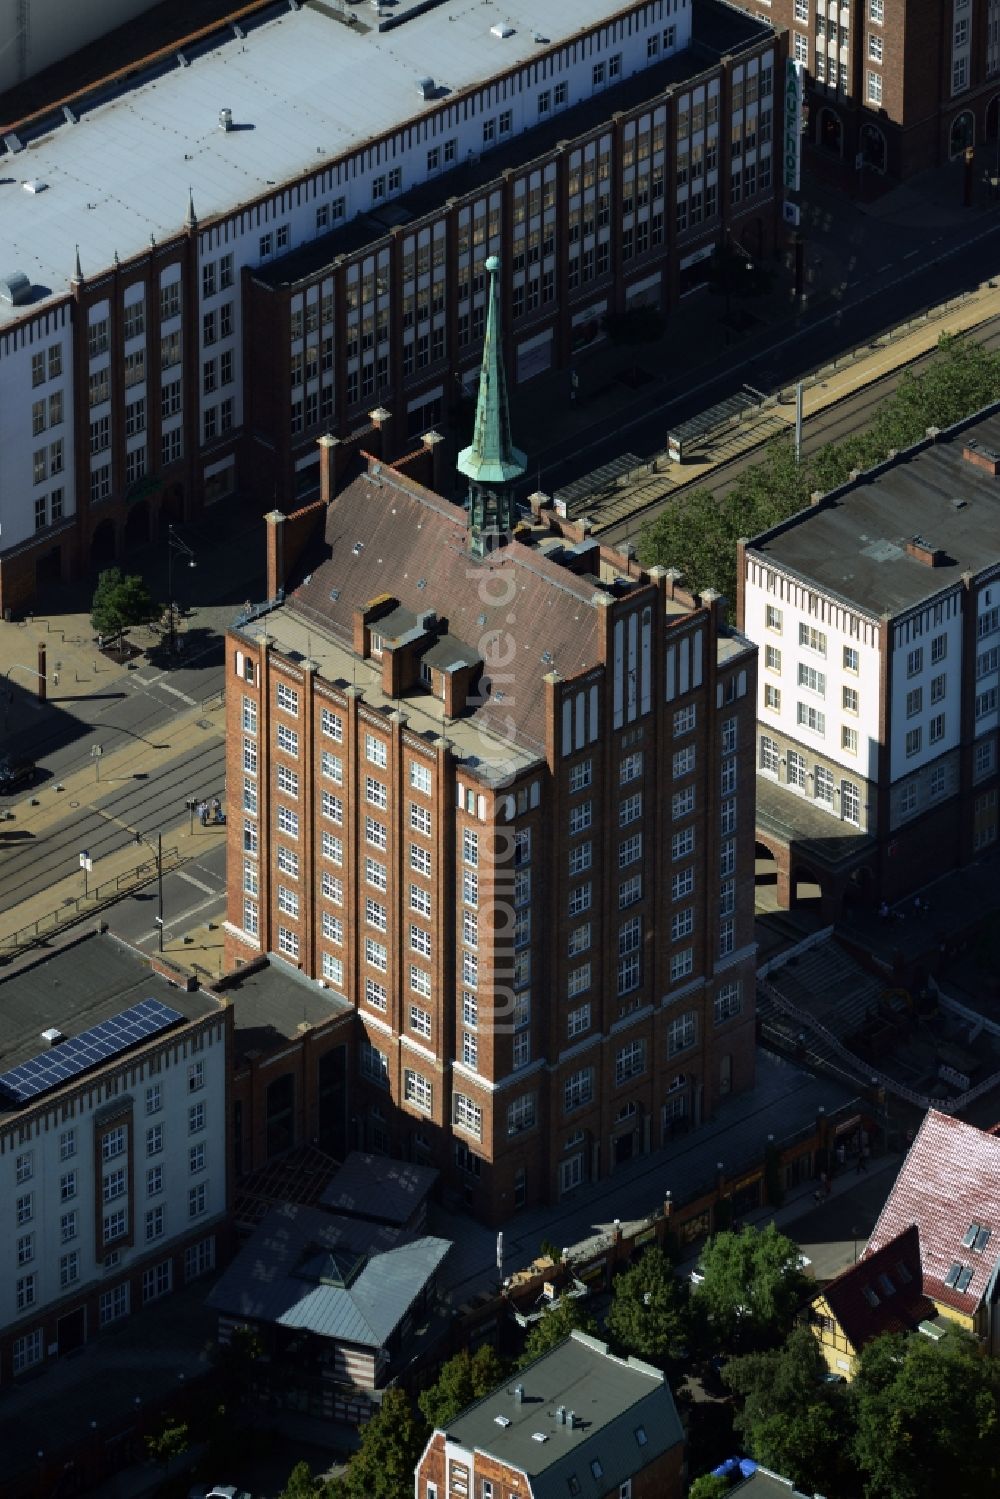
[
  {"x": 192, "y": 896},
  {"x": 147, "y": 806},
  {"x": 774, "y": 357}
]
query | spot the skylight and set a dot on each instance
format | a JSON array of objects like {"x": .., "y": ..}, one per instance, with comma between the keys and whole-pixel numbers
[
  {"x": 954, "y": 1272},
  {"x": 962, "y": 1284},
  {"x": 903, "y": 1273},
  {"x": 887, "y": 1286},
  {"x": 982, "y": 1239},
  {"x": 870, "y": 1295},
  {"x": 970, "y": 1235},
  {"x": 640, "y": 1436}
]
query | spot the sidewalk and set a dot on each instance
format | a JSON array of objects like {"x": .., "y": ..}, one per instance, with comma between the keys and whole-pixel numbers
[{"x": 784, "y": 1101}]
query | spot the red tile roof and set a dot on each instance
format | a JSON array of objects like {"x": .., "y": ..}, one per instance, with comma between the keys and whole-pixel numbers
[
  {"x": 949, "y": 1180},
  {"x": 413, "y": 546},
  {"x": 882, "y": 1292}
]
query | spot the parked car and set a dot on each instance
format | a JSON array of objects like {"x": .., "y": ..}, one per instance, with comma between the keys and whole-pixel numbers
[
  {"x": 16, "y": 771},
  {"x": 803, "y": 1263},
  {"x": 217, "y": 1491}
]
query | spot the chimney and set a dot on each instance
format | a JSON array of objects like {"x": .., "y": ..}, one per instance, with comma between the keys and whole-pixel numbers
[
  {"x": 560, "y": 1415},
  {"x": 275, "y": 522},
  {"x": 922, "y": 551},
  {"x": 435, "y": 444},
  {"x": 571, "y": 1419},
  {"x": 982, "y": 457},
  {"x": 380, "y": 419},
  {"x": 331, "y": 456}
]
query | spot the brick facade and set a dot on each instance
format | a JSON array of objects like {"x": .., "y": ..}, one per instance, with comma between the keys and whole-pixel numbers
[
  {"x": 531, "y": 1013},
  {"x": 894, "y": 86}
]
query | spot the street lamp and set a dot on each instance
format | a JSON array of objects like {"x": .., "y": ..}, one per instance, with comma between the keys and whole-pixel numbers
[
  {"x": 175, "y": 544},
  {"x": 158, "y": 851}
]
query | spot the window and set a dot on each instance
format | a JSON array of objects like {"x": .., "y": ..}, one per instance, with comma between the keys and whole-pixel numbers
[
  {"x": 114, "y": 1185},
  {"x": 812, "y": 639},
  {"x": 631, "y": 767},
  {"x": 876, "y": 11},
  {"x": 811, "y": 718},
  {"x": 581, "y": 776},
  {"x": 580, "y": 899},
  {"x": 850, "y": 802},
  {"x": 936, "y": 728},
  {"x": 683, "y": 1033},
  {"x": 420, "y": 820},
  {"x": 913, "y": 742},
  {"x": 578, "y": 1089},
  {"x": 772, "y": 698},
  {"x": 417, "y": 1091},
  {"x": 685, "y": 720},
  {"x": 467, "y": 1115},
  {"x": 580, "y": 817},
  {"x": 681, "y": 964},
  {"x": 914, "y": 702},
  {"x": 772, "y": 658},
  {"x": 630, "y": 851},
  {"x": 812, "y": 680},
  {"x": 682, "y": 924},
  {"x": 470, "y": 1050},
  {"x": 197, "y": 1199},
  {"x": 915, "y": 662},
  {"x": 581, "y": 858},
  {"x": 331, "y": 725},
  {"x": 115, "y": 1225},
  {"x": 287, "y": 699},
  {"x": 376, "y": 954}
]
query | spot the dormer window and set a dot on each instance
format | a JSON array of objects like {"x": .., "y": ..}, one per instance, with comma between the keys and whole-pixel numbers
[
  {"x": 426, "y": 675},
  {"x": 976, "y": 1237},
  {"x": 376, "y": 646}
]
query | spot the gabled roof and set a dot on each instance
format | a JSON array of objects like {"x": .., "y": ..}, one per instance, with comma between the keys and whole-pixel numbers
[
  {"x": 881, "y": 1293},
  {"x": 337, "y": 1277},
  {"x": 388, "y": 535},
  {"x": 379, "y": 1189},
  {"x": 949, "y": 1182},
  {"x": 625, "y": 1420}
]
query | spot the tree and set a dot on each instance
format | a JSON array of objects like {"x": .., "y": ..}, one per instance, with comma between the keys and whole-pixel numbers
[
  {"x": 391, "y": 1444},
  {"x": 119, "y": 602},
  {"x": 709, "y": 1486},
  {"x": 752, "y": 1287},
  {"x": 556, "y": 1324},
  {"x": 790, "y": 1420},
  {"x": 927, "y": 1418},
  {"x": 647, "y": 1309},
  {"x": 698, "y": 531},
  {"x": 300, "y": 1485},
  {"x": 462, "y": 1380},
  {"x": 169, "y": 1442}
]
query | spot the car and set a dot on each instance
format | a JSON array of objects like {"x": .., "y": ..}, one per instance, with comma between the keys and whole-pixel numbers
[
  {"x": 16, "y": 771},
  {"x": 803, "y": 1263},
  {"x": 217, "y": 1491}
]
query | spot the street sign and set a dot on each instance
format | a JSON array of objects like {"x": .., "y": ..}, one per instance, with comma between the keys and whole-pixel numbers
[
  {"x": 859, "y": 161},
  {"x": 792, "y": 152},
  {"x": 792, "y": 214},
  {"x": 500, "y": 1252},
  {"x": 86, "y": 862},
  {"x": 96, "y": 751}
]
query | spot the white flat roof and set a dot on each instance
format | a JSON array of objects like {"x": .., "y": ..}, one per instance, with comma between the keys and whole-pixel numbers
[{"x": 306, "y": 88}]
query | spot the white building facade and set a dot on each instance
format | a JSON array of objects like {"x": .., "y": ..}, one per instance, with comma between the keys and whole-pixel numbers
[
  {"x": 877, "y": 709},
  {"x": 115, "y": 1191}
]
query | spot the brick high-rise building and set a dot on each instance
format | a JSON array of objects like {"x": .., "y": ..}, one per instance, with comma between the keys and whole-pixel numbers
[
  {"x": 895, "y": 86},
  {"x": 493, "y": 788}
]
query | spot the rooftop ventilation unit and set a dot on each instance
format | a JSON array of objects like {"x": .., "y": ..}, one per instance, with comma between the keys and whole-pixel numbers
[
  {"x": 502, "y": 29},
  {"x": 52, "y": 1036},
  {"x": 33, "y": 185},
  {"x": 519, "y": 1394},
  {"x": 225, "y": 119},
  {"x": 13, "y": 142},
  {"x": 503, "y": 1421},
  {"x": 539, "y": 1436},
  {"x": 15, "y": 289},
  {"x": 426, "y": 88}
]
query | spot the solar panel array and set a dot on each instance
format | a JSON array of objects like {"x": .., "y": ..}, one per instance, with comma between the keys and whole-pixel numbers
[{"x": 66, "y": 1060}]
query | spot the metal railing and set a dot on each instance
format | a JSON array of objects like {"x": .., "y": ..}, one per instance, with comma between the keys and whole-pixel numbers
[{"x": 80, "y": 906}]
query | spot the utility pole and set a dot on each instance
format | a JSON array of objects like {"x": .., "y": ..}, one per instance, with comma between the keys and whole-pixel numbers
[
  {"x": 798, "y": 421},
  {"x": 159, "y": 884}
]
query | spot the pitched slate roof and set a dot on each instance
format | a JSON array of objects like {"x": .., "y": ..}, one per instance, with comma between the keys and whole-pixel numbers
[
  {"x": 881, "y": 1293},
  {"x": 388, "y": 535},
  {"x": 337, "y": 1277},
  {"x": 379, "y": 1189},
  {"x": 614, "y": 1400},
  {"x": 949, "y": 1181}
]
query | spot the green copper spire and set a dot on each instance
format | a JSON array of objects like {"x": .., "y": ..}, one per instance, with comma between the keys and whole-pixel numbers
[{"x": 491, "y": 463}]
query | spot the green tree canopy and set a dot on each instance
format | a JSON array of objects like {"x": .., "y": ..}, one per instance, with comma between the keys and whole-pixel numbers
[
  {"x": 119, "y": 602},
  {"x": 462, "y": 1380},
  {"x": 927, "y": 1418},
  {"x": 300, "y": 1485},
  {"x": 169, "y": 1442},
  {"x": 647, "y": 1308},
  {"x": 555, "y": 1327},
  {"x": 383, "y": 1466},
  {"x": 709, "y": 1486},
  {"x": 698, "y": 531},
  {"x": 752, "y": 1287},
  {"x": 790, "y": 1420}
]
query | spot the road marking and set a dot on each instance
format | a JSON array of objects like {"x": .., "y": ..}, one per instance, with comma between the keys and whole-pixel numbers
[
  {"x": 883, "y": 268},
  {"x": 175, "y": 921},
  {"x": 910, "y": 254},
  {"x": 182, "y": 874},
  {"x": 176, "y": 692}
]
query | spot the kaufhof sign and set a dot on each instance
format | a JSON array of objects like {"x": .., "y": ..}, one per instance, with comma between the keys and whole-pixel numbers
[{"x": 794, "y": 80}]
